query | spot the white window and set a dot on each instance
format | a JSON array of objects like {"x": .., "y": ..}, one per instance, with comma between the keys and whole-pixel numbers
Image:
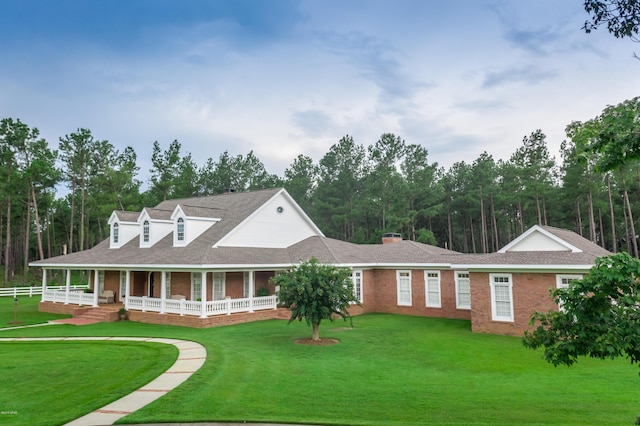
[
  {"x": 356, "y": 277},
  {"x": 145, "y": 231},
  {"x": 432, "y": 288},
  {"x": 196, "y": 285},
  {"x": 167, "y": 283},
  {"x": 123, "y": 284},
  {"x": 100, "y": 282},
  {"x": 116, "y": 236},
  {"x": 218, "y": 285},
  {"x": 245, "y": 287},
  {"x": 563, "y": 281},
  {"x": 501, "y": 297},
  {"x": 463, "y": 290},
  {"x": 180, "y": 229},
  {"x": 403, "y": 279}
]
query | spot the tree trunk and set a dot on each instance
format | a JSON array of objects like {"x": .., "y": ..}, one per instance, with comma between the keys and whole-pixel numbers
[
  {"x": 473, "y": 237},
  {"x": 483, "y": 227},
  {"x": 37, "y": 218},
  {"x": 7, "y": 247},
  {"x": 82, "y": 199},
  {"x": 521, "y": 217},
  {"x": 578, "y": 218},
  {"x": 634, "y": 241},
  {"x": 613, "y": 222},
  {"x": 27, "y": 228},
  {"x": 496, "y": 242},
  {"x": 450, "y": 228},
  {"x": 316, "y": 335},
  {"x": 72, "y": 214},
  {"x": 602, "y": 244},
  {"x": 592, "y": 222}
]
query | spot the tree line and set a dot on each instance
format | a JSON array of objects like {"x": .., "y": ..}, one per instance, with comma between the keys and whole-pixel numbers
[{"x": 355, "y": 192}]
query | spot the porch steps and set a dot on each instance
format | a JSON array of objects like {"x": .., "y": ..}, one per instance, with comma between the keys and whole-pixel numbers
[{"x": 97, "y": 315}]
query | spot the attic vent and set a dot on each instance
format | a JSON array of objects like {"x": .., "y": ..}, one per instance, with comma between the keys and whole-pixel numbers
[{"x": 391, "y": 237}]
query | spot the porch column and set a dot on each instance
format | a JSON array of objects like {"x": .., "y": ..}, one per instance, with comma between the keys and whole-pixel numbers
[
  {"x": 127, "y": 289},
  {"x": 252, "y": 285},
  {"x": 44, "y": 283},
  {"x": 96, "y": 285},
  {"x": 203, "y": 295},
  {"x": 67, "y": 287},
  {"x": 163, "y": 290},
  {"x": 88, "y": 272}
]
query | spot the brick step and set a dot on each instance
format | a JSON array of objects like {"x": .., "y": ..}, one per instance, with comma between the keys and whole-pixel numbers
[{"x": 98, "y": 315}]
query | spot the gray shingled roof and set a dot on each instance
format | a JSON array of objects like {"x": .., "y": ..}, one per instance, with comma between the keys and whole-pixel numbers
[
  {"x": 577, "y": 241},
  {"x": 234, "y": 208},
  {"x": 127, "y": 216}
]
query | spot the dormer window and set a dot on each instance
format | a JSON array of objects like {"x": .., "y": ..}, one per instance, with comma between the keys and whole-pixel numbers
[
  {"x": 145, "y": 231},
  {"x": 116, "y": 231},
  {"x": 180, "y": 229}
]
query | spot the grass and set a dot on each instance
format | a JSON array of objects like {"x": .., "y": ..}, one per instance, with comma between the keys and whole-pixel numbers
[
  {"x": 388, "y": 370},
  {"x": 25, "y": 312},
  {"x": 55, "y": 382}
]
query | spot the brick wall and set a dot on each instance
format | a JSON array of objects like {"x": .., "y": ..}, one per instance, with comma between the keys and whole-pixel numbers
[
  {"x": 215, "y": 321},
  {"x": 381, "y": 295},
  {"x": 530, "y": 293}
]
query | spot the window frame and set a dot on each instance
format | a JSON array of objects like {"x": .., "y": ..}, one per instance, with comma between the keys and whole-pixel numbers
[
  {"x": 146, "y": 232},
  {"x": 457, "y": 279},
  {"x": 180, "y": 233},
  {"x": 400, "y": 279},
  {"x": 572, "y": 277},
  {"x": 427, "y": 291},
  {"x": 219, "y": 278},
  {"x": 196, "y": 286},
  {"x": 167, "y": 284},
  {"x": 494, "y": 302},
  {"x": 245, "y": 284},
  {"x": 115, "y": 233},
  {"x": 560, "y": 284},
  {"x": 357, "y": 280},
  {"x": 123, "y": 284}
]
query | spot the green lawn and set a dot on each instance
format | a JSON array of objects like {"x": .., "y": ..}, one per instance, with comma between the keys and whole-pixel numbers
[
  {"x": 388, "y": 370},
  {"x": 25, "y": 312}
]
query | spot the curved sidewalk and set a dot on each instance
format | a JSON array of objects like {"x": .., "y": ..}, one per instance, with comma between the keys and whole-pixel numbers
[{"x": 191, "y": 357}]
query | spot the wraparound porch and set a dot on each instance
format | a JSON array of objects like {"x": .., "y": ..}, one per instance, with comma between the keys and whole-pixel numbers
[
  {"x": 180, "y": 307},
  {"x": 152, "y": 316}
]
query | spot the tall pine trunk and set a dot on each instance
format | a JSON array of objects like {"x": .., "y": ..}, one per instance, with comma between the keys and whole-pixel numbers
[{"x": 613, "y": 222}]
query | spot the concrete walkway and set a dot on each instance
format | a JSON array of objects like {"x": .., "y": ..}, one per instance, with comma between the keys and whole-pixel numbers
[{"x": 191, "y": 357}]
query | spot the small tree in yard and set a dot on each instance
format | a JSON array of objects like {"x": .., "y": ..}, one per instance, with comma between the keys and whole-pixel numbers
[
  {"x": 599, "y": 315},
  {"x": 315, "y": 291}
]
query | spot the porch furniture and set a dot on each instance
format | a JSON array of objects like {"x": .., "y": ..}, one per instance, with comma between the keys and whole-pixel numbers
[
  {"x": 107, "y": 296},
  {"x": 177, "y": 297}
]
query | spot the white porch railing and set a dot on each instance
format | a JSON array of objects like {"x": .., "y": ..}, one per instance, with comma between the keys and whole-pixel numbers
[
  {"x": 76, "y": 297},
  {"x": 212, "y": 307},
  {"x": 32, "y": 291}
]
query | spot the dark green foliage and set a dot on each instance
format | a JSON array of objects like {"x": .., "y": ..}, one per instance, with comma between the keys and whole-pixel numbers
[
  {"x": 598, "y": 316},
  {"x": 315, "y": 291},
  {"x": 614, "y": 136},
  {"x": 621, "y": 17}
]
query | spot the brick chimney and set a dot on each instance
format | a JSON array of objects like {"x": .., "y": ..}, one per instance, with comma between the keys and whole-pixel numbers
[{"x": 391, "y": 237}]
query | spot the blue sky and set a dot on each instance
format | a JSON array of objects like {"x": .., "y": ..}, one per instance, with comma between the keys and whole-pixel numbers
[{"x": 284, "y": 78}]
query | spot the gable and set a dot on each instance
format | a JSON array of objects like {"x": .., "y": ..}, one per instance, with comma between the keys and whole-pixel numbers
[
  {"x": 278, "y": 223},
  {"x": 537, "y": 238}
]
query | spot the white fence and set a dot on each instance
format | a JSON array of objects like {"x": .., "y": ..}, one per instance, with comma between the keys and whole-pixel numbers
[
  {"x": 31, "y": 291},
  {"x": 213, "y": 307},
  {"x": 76, "y": 296}
]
